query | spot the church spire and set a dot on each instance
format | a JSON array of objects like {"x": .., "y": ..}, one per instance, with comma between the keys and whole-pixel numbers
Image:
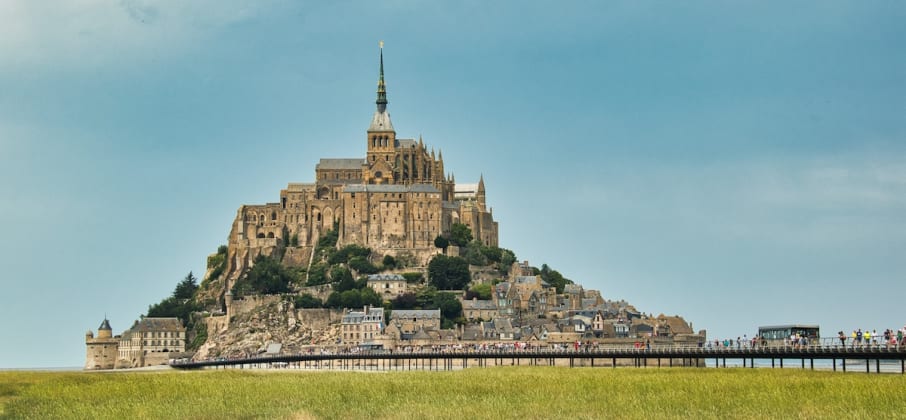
[
  {"x": 381, "y": 119},
  {"x": 381, "y": 88}
]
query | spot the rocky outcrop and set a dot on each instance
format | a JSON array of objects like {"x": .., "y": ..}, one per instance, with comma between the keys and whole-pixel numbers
[{"x": 250, "y": 333}]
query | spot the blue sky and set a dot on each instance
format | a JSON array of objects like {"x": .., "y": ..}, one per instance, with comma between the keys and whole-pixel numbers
[{"x": 737, "y": 163}]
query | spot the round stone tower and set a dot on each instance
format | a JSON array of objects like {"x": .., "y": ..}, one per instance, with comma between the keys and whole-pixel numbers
[{"x": 101, "y": 350}]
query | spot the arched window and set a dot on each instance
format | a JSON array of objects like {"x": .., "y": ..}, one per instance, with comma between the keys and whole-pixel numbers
[
  {"x": 274, "y": 215},
  {"x": 270, "y": 235},
  {"x": 261, "y": 235}
]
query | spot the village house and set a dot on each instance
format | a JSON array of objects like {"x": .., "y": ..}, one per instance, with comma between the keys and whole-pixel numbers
[{"x": 360, "y": 327}]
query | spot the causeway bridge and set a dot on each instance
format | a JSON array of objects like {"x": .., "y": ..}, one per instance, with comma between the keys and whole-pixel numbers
[{"x": 867, "y": 359}]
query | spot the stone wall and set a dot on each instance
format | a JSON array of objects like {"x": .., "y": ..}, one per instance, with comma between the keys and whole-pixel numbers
[
  {"x": 250, "y": 303},
  {"x": 319, "y": 319}
]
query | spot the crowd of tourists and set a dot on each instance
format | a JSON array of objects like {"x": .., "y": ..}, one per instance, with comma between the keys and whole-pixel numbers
[{"x": 860, "y": 338}]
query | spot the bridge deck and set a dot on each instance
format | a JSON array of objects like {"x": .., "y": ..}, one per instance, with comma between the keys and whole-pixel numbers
[{"x": 679, "y": 356}]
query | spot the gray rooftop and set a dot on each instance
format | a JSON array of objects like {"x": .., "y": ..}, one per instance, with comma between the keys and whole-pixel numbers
[
  {"x": 415, "y": 313},
  {"x": 386, "y": 277},
  {"x": 158, "y": 324},
  {"x": 343, "y": 164},
  {"x": 381, "y": 122},
  {"x": 425, "y": 188},
  {"x": 358, "y": 317},
  {"x": 479, "y": 304}
]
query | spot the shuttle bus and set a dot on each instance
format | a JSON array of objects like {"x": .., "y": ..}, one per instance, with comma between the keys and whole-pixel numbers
[{"x": 774, "y": 335}]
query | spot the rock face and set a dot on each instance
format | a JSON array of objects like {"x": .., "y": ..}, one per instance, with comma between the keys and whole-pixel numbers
[{"x": 249, "y": 334}]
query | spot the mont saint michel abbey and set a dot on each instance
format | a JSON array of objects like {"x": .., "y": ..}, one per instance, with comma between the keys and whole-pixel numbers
[{"x": 395, "y": 200}]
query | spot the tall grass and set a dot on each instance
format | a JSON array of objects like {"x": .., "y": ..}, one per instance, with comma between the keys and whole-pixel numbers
[{"x": 506, "y": 393}]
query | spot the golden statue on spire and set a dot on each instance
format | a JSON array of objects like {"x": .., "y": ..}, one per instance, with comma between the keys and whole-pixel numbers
[{"x": 381, "y": 43}]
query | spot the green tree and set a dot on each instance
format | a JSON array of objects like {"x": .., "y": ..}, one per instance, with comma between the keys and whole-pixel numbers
[
  {"x": 370, "y": 297},
  {"x": 266, "y": 277},
  {"x": 553, "y": 277},
  {"x": 181, "y": 303},
  {"x": 389, "y": 262},
  {"x": 351, "y": 299},
  {"x": 441, "y": 242},
  {"x": 449, "y": 305},
  {"x": 362, "y": 265},
  {"x": 448, "y": 273},
  {"x": 343, "y": 255},
  {"x": 317, "y": 275},
  {"x": 507, "y": 258},
  {"x": 479, "y": 291},
  {"x": 424, "y": 297},
  {"x": 404, "y": 301},
  {"x": 216, "y": 263},
  {"x": 186, "y": 288},
  {"x": 307, "y": 301},
  {"x": 474, "y": 255},
  {"x": 460, "y": 234},
  {"x": 342, "y": 279},
  {"x": 413, "y": 277}
]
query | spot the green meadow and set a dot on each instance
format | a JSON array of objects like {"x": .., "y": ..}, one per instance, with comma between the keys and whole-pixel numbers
[{"x": 499, "y": 393}]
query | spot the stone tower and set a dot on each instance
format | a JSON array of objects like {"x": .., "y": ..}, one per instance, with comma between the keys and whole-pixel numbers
[
  {"x": 381, "y": 137},
  {"x": 101, "y": 351}
]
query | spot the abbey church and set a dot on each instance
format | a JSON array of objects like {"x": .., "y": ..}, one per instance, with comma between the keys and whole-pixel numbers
[{"x": 396, "y": 200}]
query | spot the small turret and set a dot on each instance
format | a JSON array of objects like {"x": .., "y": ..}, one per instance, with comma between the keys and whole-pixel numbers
[{"x": 104, "y": 331}]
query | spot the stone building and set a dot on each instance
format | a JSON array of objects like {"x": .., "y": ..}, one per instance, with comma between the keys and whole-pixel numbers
[
  {"x": 396, "y": 200},
  {"x": 475, "y": 310},
  {"x": 150, "y": 342},
  {"x": 404, "y": 324},
  {"x": 388, "y": 286},
  {"x": 101, "y": 351},
  {"x": 359, "y": 327}
]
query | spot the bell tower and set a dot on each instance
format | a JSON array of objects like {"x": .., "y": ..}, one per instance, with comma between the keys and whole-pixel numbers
[{"x": 381, "y": 137}]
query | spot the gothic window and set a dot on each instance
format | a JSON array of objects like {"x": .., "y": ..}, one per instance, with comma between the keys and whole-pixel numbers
[{"x": 274, "y": 215}]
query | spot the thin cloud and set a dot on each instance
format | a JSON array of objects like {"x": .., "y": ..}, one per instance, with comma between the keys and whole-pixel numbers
[{"x": 95, "y": 33}]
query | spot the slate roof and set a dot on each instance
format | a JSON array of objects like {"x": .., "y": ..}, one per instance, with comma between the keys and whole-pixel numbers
[
  {"x": 415, "y": 313},
  {"x": 344, "y": 164},
  {"x": 386, "y": 277},
  {"x": 381, "y": 122},
  {"x": 105, "y": 325},
  {"x": 479, "y": 304},
  {"x": 394, "y": 188},
  {"x": 357, "y": 317},
  {"x": 157, "y": 324}
]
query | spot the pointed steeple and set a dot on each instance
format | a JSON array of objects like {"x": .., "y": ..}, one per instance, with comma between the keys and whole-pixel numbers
[
  {"x": 381, "y": 119},
  {"x": 381, "y": 87},
  {"x": 480, "y": 194}
]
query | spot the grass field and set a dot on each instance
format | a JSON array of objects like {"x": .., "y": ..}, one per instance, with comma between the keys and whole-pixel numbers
[{"x": 503, "y": 393}]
